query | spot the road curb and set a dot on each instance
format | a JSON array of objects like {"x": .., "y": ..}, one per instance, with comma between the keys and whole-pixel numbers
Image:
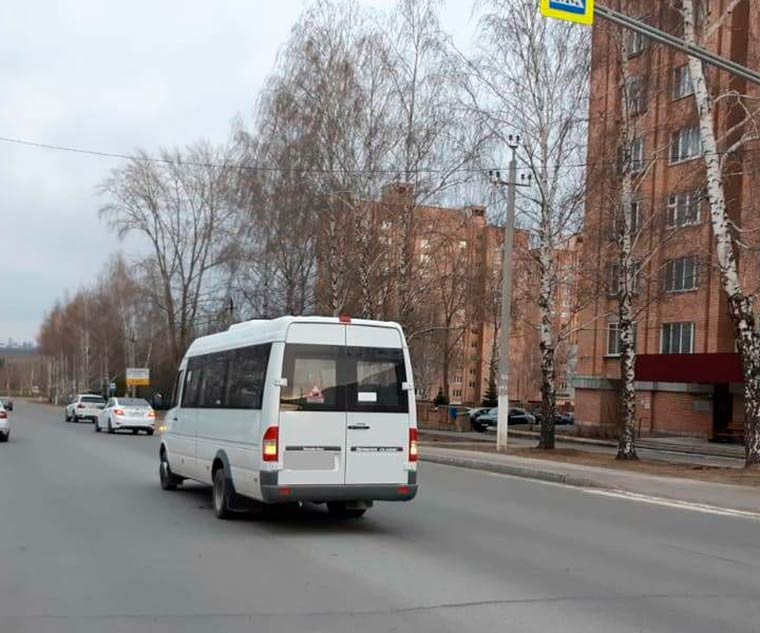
[{"x": 514, "y": 470}]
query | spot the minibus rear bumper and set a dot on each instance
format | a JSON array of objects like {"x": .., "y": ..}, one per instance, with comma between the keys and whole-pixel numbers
[{"x": 287, "y": 493}]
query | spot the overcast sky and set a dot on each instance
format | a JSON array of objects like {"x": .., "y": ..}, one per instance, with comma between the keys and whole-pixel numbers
[{"x": 113, "y": 76}]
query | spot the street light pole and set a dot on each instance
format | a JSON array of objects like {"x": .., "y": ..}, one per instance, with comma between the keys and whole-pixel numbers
[{"x": 502, "y": 429}]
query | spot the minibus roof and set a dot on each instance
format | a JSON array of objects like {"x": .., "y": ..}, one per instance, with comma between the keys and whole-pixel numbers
[{"x": 259, "y": 331}]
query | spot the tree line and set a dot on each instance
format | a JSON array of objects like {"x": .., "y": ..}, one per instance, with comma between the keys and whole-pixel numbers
[{"x": 287, "y": 217}]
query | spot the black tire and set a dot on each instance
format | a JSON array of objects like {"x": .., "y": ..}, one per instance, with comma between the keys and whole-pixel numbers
[
  {"x": 221, "y": 495},
  {"x": 135, "y": 431},
  {"x": 340, "y": 510},
  {"x": 478, "y": 428},
  {"x": 97, "y": 427},
  {"x": 4, "y": 438},
  {"x": 66, "y": 416},
  {"x": 169, "y": 481},
  {"x": 149, "y": 431},
  {"x": 110, "y": 427}
]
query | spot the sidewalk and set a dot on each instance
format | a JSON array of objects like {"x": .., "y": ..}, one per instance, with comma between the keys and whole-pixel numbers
[
  {"x": 717, "y": 495},
  {"x": 685, "y": 445}
]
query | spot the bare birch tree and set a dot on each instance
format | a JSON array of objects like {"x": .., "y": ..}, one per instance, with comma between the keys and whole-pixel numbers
[
  {"x": 532, "y": 78},
  {"x": 717, "y": 150}
]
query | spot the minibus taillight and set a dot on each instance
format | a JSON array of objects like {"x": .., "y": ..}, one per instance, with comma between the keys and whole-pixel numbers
[
  {"x": 414, "y": 454},
  {"x": 270, "y": 450},
  {"x": 3, "y": 415}
]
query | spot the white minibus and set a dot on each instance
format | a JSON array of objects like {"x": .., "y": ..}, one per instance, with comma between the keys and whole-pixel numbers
[{"x": 295, "y": 409}]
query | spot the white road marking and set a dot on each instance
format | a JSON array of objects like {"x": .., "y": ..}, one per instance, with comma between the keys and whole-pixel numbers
[
  {"x": 675, "y": 503},
  {"x": 641, "y": 498}
]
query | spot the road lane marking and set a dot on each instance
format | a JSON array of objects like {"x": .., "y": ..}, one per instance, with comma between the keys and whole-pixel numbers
[
  {"x": 674, "y": 503},
  {"x": 642, "y": 498}
]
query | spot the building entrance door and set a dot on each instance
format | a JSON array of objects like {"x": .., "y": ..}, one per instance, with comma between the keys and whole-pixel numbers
[{"x": 723, "y": 411}]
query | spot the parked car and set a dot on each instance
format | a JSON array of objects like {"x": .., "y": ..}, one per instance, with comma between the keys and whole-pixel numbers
[
  {"x": 85, "y": 406},
  {"x": 560, "y": 418},
  {"x": 5, "y": 424},
  {"x": 490, "y": 418},
  {"x": 7, "y": 403},
  {"x": 475, "y": 413},
  {"x": 126, "y": 414}
]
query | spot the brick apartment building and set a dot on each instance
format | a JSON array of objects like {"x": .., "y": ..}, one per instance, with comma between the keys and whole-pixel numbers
[
  {"x": 456, "y": 271},
  {"x": 688, "y": 373}
]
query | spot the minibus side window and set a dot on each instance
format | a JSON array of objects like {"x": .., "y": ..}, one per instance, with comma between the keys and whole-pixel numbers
[
  {"x": 192, "y": 385},
  {"x": 211, "y": 393},
  {"x": 177, "y": 386},
  {"x": 245, "y": 377}
]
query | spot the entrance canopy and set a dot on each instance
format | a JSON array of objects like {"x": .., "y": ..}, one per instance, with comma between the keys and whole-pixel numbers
[{"x": 693, "y": 368}]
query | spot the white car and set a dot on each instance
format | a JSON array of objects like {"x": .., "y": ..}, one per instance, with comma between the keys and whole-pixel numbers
[
  {"x": 295, "y": 409},
  {"x": 126, "y": 414},
  {"x": 5, "y": 424},
  {"x": 85, "y": 406}
]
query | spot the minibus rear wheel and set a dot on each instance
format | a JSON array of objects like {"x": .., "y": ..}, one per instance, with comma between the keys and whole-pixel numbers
[{"x": 221, "y": 494}]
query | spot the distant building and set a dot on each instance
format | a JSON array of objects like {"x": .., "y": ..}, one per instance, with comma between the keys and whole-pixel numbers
[
  {"x": 689, "y": 376},
  {"x": 456, "y": 257}
]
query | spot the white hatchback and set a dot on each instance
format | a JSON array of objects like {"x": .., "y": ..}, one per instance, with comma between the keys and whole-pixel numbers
[
  {"x": 84, "y": 407},
  {"x": 126, "y": 414},
  {"x": 5, "y": 424}
]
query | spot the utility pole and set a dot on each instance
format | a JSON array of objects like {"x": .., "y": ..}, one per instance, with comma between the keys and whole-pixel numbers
[{"x": 505, "y": 332}]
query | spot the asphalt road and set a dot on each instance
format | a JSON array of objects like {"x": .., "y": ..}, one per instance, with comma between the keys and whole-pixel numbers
[{"x": 90, "y": 543}]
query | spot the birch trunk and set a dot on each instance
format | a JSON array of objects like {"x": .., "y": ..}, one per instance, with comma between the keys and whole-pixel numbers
[
  {"x": 547, "y": 348},
  {"x": 626, "y": 286},
  {"x": 626, "y": 281},
  {"x": 740, "y": 304}
]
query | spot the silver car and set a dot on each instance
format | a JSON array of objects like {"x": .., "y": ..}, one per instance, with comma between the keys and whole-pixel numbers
[{"x": 126, "y": 414}]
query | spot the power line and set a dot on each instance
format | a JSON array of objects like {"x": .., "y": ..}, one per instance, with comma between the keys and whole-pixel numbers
[
  {"x": 262, "y": 168},
  {"x": 319, "y": 170}
]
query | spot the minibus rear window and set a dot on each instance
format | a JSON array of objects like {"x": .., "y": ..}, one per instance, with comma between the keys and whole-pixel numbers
[
  {"x": 314, "y": 380},
  {"x": 335, "y": 378},
  {"x": 377, "y": 378}
]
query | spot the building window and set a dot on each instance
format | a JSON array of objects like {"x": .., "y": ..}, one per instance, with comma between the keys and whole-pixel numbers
[
  {"x": 614, "y": 344},
  {"x": 681, "y": 274},
  {"x": 637, "y": 157},
  {"x": 456, "y": 393},
  {"x": 424, "y": 251},
  {"x": 682, "y": 86},
  {"x": 472, "y": 384},
  {"x": 678, "y": 338},
  {"x": 616, "y": 282},
  {"x": 634, "y": 218},
  {"x": 458, "y": 380},
  {"x": 685, "y": 145},
  {"x": 636, "y": 91},
  {"x": 684, "y": 209},
  {"x": 637, "y": 42}
]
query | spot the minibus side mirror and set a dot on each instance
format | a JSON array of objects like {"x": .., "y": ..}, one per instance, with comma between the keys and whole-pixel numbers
[{"x": 407, "y": 386}]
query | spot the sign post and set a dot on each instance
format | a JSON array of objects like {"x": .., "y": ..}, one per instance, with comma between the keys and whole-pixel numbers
[
  {"x": 137, "y": 377},
  {"x": 580, "y": 11}
]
